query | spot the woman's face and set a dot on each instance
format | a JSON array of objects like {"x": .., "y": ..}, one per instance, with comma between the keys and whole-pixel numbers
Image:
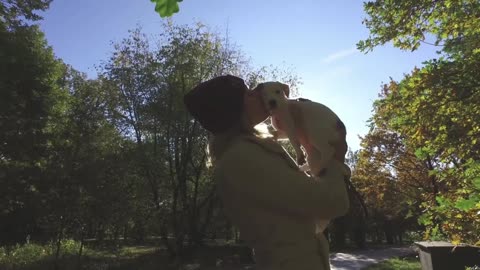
[{"x": 254, "y": 108}]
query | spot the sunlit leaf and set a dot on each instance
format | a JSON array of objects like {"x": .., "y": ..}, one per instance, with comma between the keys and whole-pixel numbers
[
  {"x": 465, "y": 204},
  {"x": 166, "y": 8},
  {"x": 456, "y": 239},
  {"x": 424, "y": 220},
  {"x": 420, "y": 153},
  {"x": 476, "y": 182}
]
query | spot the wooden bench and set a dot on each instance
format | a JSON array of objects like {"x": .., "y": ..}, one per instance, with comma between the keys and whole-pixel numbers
[{"x": 440, "y": 255}]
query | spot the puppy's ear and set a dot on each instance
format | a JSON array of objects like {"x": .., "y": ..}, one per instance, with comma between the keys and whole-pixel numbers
[
  {"x": 286, "y": 90},
  {"x": 259, "y": 87}
]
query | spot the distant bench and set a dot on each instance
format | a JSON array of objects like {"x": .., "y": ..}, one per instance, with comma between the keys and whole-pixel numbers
[{"x": 440, "y": 255}]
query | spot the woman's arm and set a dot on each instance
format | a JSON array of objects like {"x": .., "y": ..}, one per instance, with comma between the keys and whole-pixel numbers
[{"x": 263, "y": 176}]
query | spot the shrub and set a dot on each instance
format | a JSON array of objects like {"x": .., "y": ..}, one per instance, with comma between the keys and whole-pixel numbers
[
  {"x": 30, "y": 253},
  {"x": 21, "y": 255}
]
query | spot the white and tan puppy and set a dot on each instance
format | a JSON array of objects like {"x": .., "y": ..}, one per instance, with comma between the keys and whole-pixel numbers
[
  {"x": 309, "y": 124},
  {"x": 305, "y": 123}
]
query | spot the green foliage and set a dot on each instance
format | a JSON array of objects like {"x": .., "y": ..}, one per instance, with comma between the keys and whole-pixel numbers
[
  {"x": 476, "y": 182},
  {"x": 397, "y": 264},
  {"x": 24, "y": 103},
  {"x": 414, "y": 236},
  {"x": 386, "y": 163},
  {"x": 145, "y": 88},
  {"x": 454, "y": 25},
  {"x": 14, "y": 13},
  {"x": 166, "y": 8},
  {"x": 110, "y": 157},
  {"x": 31, "y": 253},
  {"x": 467, "y": 204},
  {"x": 442, "y": 141},
  {"x": 22, "y": 255},
  {"x": 445, "y": 142},
  {"x": 29, "y": 74}
]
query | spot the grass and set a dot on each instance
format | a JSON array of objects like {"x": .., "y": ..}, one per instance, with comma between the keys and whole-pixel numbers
[
  {"x": 143, "y": 257},
  {"x": 33, "y": 256},
  {"x": 407, "y": 263}
]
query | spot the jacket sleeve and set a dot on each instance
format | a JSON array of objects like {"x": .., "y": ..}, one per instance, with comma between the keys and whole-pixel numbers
[{"x": 264, "y": 177}]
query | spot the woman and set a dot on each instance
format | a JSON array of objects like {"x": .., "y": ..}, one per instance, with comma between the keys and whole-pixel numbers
[{"x": 265, "y": 195}]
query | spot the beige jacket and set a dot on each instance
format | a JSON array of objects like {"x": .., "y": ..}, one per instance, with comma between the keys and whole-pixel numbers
[{"x": 274, "y": 205}]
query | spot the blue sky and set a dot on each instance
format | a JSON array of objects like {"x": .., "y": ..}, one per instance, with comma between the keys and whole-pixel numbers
[{"x": 315, "y": 37}]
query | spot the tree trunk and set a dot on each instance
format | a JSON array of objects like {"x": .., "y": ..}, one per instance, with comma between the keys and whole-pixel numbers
[
  {"x": 80, "y": 251},
  {"x": 58, "y": 245},
  {"x": 339, "y": 232}
]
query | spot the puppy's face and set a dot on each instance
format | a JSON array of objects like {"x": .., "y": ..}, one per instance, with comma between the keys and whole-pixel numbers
[{"x": 274, "y": 94}]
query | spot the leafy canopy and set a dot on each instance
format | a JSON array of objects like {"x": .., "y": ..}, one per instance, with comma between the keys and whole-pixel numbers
[
  {"x": 453, "y": 24},
  {"x": 435, "y": 109},
  {"x": 15, "y": 12}
]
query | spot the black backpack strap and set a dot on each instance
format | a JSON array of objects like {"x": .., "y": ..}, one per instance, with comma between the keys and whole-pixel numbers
[{"x": 303, "y": 99}]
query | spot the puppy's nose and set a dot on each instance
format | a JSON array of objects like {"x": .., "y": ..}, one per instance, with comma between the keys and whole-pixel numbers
[{"x": 272, "y": 104}]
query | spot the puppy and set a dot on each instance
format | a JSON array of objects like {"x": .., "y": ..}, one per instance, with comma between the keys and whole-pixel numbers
[{"x": 306, "y": 124}]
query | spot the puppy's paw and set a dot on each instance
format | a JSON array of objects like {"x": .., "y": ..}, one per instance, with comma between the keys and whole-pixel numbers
[
  {"x": 301, "y": 160},
  {"x": 304, "y": 167}
]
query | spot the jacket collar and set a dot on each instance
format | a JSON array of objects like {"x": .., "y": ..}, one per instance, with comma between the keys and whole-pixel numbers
[{"x": 274, "y": 147}]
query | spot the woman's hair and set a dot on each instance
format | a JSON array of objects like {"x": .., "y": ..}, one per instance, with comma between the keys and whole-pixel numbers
[{"x": 218, "y": 105}]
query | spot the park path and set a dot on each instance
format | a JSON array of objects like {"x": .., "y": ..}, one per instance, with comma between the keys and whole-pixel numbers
[{"x": 357, "y": 260}]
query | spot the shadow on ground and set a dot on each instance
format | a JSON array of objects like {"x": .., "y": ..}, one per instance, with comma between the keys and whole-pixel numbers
[
  {"x": 230, "y": 257},
  {"x": 363, "y": 258}
]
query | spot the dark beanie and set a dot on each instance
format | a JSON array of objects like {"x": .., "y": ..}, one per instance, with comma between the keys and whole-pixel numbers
[{"x": 217, "y": 103}]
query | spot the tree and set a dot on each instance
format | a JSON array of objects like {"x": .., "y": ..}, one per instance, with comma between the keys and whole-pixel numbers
[
  {"x": 431, "y": 153},
  {"x": 454, "y": 24},
  {"x": 444, "y": 141},
  {"x": 55, "y": 138},
  {"x": 400, "y": 183},
  {"x": 28, "y": 89},
  {"x": 13, "y": 13},
  {"x": 441, "y": 141},
  {"x": 130, "y": 78},
  {"x": 146, "y": 89}
]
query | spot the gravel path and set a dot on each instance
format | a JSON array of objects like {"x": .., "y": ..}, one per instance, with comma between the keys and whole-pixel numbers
[{"x": 359, "y": 259}]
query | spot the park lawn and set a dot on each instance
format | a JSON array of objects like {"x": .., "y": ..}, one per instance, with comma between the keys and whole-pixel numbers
[
  {"x": 407, "y": 263},
  {"x": 145, "y": 257},
  {"x": 39, "y": 257}
]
